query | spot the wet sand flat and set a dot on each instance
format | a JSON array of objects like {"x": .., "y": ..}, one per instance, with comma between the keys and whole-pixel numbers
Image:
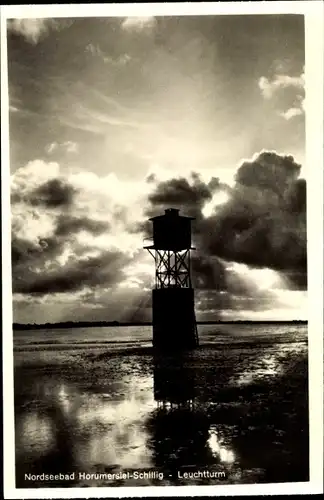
[{"x": 103, "y": 417}]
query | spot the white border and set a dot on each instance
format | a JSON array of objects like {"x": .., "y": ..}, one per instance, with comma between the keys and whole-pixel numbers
[
  {"x": 314, "y": 52},
  {"x": 313, "y": 11},
  {"x": 162, "y": 9}
]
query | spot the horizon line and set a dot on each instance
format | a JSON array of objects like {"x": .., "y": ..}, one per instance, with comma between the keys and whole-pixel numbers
[{"x": 150, "y": 323}]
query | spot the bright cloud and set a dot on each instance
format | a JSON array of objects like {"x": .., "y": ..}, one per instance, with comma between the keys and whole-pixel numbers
[
  {"x": 264, "y": 279},
  {"x": 67, "y": 146},
  {"x": 270, "y": 87},
  {"x": 69, "y": 232},
  {"x": 79, "y": 232},
  {"x": 137, "y": 114},
  {"x": 287, "y": 91},
  {"x": 34, "y": 30},
  {"x": 291, "y": 113},
  {"x": 218, "y": 199},
  {"x": 138, "y": 23},
  {"x": 31, "y": 29}
]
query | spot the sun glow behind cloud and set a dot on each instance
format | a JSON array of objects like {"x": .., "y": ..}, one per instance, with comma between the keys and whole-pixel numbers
[
  {"x": 154, "y": 101},
  {"x": 218, "y": 199},
  {"x": 265, "y": 279},
  {"x": 102, "y": 197}
]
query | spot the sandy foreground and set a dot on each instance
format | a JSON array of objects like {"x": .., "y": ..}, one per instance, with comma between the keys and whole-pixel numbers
[{"x": 220, "y": 414}]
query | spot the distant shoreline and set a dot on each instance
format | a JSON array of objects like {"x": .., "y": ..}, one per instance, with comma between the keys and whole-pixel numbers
[{"x": 96, "y": 324}]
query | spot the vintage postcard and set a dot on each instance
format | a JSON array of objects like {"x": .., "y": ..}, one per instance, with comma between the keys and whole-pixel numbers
[{"x": 162, "y": 226}]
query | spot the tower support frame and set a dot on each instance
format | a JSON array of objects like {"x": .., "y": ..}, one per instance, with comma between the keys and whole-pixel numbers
[{"x": 174, "y": 320}]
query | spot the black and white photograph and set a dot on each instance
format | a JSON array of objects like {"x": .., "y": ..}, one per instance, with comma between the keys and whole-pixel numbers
[{"x": 159, "y": 267}]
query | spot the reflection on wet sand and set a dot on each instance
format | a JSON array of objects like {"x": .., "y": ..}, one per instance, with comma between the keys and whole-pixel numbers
[
  {"x": 113, "y": 431},
  {"x": 225, "y": 454},
  {"x": 44, "y": 439},
  {"x": 174, "y": 382},
  {"x": 179, "y": 431},
  {"x": 183, "y": 438},
  {"x": 66, "y": 430},
  {"x": 72, "y": 430},
  {"x": 270, "y": 364},
  {"x": 180, "y": 413}
]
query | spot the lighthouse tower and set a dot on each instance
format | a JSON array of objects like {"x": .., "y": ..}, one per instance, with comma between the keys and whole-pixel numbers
[{"x": 174, "y": 321}]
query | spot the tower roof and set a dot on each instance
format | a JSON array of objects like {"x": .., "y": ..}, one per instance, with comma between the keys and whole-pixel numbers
[{"x": 171, "y": 212}]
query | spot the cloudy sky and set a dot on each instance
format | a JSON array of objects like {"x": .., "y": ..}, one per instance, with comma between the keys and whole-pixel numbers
[{"x": 113, "y": 120}]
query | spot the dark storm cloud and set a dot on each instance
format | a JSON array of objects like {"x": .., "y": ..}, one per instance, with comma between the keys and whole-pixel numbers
[
  {"x": 27, "y": 252},
  {"x": 189, "y": 197},
  {"x": 54, "y": 193},
  {"x": 268, "y": 171},
  {"x": 296, "y": 280},
  {"x": 263, "y": 223},
  {"x": 67, "y": 224},
  {"x": 75, "y": 274},
  {"x": 36, "y": 261},
  {"x": 36, "y": 269},
  {"x": 296, "y": 197},
  {"x": 208, "y": 272}
]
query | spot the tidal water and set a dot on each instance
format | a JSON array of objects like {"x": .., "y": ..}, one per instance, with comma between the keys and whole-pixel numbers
[{"x": 99, "y": 408}]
